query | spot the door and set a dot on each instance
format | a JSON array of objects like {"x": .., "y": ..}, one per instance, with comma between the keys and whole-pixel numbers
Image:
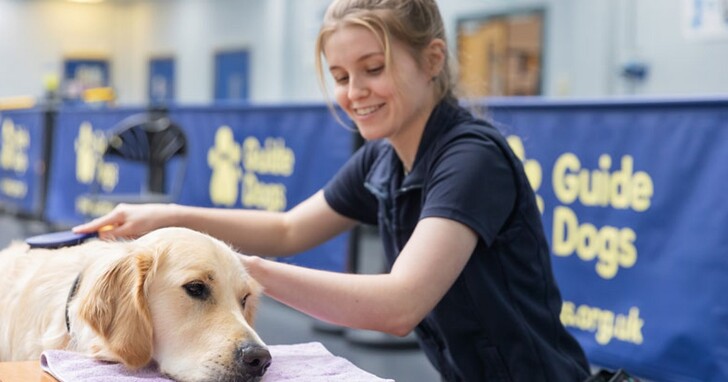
[
  {"x": 161, "y": 84},
  {"x": 232, "y": 75}
]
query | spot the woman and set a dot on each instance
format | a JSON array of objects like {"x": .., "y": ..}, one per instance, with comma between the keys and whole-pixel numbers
[{"x": 470, "y": 266}]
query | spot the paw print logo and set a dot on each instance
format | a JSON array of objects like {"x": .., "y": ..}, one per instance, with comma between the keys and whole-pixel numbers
[
  {"x": 531, "y": 167},
  {"x": 13, "y": 152},
  {"x": 224, "y": 160},
  {"x": 85, "y": 154},
  {"x": 90, "y": 146}
]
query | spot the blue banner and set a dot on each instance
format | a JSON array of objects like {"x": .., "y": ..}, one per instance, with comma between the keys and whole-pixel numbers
[
  {"x": 22, "y": 161},
  {"x": 77, "y": 169},
  {"x": 268, "y": 158},
  {"x": 631, "y": 194},
  {"x": 633, "y": 201}
]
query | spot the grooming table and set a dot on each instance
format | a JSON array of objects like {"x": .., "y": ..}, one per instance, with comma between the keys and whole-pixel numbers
[
  {"x": 308, "y": 362},
  {"x": 26, "y": 371}
]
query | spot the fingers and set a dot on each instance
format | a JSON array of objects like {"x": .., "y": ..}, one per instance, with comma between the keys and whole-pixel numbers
[
  {"x": 107, "y": 222},
  {"x": 125, "y": 221}
]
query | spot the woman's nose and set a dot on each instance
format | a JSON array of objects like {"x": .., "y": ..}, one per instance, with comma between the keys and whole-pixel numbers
[{"x": 357, "y": 89}]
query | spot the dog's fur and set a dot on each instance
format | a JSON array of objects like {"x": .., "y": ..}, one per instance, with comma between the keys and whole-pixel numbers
[{"x": 174, "y": 296}]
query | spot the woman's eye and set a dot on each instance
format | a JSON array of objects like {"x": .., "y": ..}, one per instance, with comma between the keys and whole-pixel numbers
[
  {"x": 197, "y": 290},
  {"x": 376, "y": 70},
  {"x": 341, "y": 80}
]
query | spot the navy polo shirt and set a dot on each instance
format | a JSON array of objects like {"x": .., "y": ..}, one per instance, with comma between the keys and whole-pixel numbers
[{"x": 500, "y": 319}]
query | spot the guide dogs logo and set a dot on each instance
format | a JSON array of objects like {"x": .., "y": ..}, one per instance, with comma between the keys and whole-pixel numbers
[
  {"x": 90, "y": 146},
  {"x": 14, "y": 149},
  {"x": 235, "y": 169},
  {"x": 533, "y": 170}
]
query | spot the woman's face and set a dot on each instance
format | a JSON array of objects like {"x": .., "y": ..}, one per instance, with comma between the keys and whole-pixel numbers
[{"x": 384, "y": 102}]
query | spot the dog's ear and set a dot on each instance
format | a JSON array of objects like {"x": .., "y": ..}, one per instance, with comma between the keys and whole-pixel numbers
[
  {"x": 117, "y": 310},
  {"x": 251, "y": 303}
]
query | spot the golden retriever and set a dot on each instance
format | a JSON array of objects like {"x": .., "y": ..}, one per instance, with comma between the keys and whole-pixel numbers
[{"x": 174, "y": 296}]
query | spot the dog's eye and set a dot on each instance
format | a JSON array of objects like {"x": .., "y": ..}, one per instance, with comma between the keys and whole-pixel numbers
[
  {"x": 197, "y": 290},
  {"x": 244, "y": 300}
]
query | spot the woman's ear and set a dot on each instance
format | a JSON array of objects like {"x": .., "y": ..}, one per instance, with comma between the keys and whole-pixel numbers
[{"x": 435, "y": 55}]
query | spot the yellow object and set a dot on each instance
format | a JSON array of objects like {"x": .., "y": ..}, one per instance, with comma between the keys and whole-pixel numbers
[
  {"x": 51, "y": 82},
  {"x": 19, "y": 102},
  {"x": 105, "y": 94},
  {"x": 105, "y": 228}
]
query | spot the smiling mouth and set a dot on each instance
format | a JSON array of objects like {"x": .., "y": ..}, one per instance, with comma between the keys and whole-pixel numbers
[{"x": 361, "y": 112}]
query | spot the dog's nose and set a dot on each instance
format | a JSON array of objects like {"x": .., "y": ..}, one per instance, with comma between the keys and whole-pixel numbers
[{"x": 254, "y": 359}]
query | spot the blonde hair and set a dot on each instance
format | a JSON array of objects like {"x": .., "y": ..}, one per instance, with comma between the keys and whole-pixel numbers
[{"x": 414, "y": 23}]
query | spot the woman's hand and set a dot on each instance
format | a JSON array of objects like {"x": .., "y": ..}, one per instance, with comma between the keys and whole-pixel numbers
[
  {"x": 393, "y": 302},
  {"x": 130, "y": 220}
]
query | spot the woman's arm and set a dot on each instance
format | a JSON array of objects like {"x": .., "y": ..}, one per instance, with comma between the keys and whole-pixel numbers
[
  {"x": 267, "y": 233},
  {"x": 251, "y": 231},
  {"x": 395, "y": 302}
]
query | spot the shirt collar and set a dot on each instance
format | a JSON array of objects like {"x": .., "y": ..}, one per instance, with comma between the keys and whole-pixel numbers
[
  {"x": 445, "y": 115},
  {"x": 387, "y": 166}
]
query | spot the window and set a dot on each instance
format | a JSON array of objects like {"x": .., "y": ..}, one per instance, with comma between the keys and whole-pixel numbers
[{"x": 501, "y": 55}]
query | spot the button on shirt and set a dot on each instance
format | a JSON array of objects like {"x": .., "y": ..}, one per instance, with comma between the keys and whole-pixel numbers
[{"x": 500, "y": 319}]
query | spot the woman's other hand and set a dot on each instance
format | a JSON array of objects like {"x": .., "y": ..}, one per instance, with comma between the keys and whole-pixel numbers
[{"x": 130, "y": 220}]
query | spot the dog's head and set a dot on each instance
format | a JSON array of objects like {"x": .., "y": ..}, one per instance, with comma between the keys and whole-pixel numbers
[{"x": 178, "y": 297}]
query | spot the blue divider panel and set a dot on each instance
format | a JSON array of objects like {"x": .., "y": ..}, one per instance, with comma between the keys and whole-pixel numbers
[
  {"x": 76, "y": 166},
  {"x": 268, "y": 158},
  {"x": 632, "y": 194},
  {"x": 22, "y": 165},
  {"x": 238, "y": 157},
  {"x": 633, "y": 197}
]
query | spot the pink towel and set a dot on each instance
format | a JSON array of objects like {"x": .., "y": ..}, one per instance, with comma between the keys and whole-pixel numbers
[{"x": 309, "y": 362}]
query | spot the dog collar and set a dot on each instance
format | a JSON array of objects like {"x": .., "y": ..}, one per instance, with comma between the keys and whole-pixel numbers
[{"x": 71, "y": 294}]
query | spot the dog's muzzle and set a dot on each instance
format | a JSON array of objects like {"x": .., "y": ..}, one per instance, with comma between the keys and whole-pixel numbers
[{"x": 251, "y": 362}]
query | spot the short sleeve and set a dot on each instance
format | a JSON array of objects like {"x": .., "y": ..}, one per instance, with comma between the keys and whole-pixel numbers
[
  {"x": 345, "y": 192},
  {"x": 471, "y": 181}
]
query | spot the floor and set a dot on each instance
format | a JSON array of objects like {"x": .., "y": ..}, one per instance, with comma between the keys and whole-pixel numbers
[{"x": 383, "y": 356}]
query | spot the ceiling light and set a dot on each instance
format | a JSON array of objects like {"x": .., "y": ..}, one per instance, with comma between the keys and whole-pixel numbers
[{"x": 87, "y": 1}]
